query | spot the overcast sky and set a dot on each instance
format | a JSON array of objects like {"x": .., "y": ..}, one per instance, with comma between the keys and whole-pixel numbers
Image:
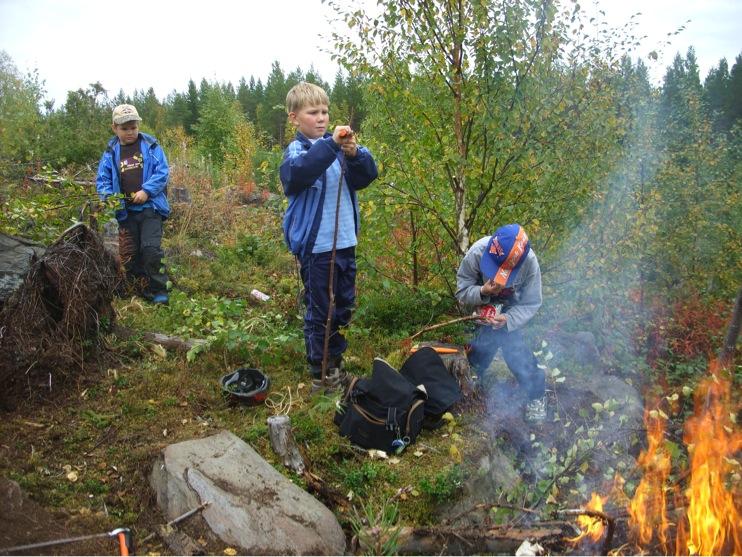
[{"x": 137, "y": 44}]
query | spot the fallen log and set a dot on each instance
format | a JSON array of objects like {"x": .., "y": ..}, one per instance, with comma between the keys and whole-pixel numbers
[
  {"x": 166, "y": 341},
  {"x": 499, "y": 539}
]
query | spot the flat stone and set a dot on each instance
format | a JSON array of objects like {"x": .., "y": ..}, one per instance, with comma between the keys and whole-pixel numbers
[{"x": 252, "y": 506}]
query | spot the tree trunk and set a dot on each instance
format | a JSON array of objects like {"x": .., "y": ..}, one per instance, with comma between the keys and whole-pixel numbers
[{"x": 730, "y": 341}]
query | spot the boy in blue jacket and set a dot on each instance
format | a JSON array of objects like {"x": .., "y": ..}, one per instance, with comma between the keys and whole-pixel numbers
[
  {"x": 135, "y": 165},
  {"x": 314, "y": 166}
]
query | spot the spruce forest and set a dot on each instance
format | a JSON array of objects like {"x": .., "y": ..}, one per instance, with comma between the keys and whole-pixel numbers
[{"x": 478, "y": 114}]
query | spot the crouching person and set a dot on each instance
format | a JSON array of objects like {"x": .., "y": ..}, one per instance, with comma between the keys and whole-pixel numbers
[{"x": 502, "y": 269}]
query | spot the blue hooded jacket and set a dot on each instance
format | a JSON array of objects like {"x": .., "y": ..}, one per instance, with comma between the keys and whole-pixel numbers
[
  {"x": 303, "y": 175},
  {"x": 155, "y": 174}
]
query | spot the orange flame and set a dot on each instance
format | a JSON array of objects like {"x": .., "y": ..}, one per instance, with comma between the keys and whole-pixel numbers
[
  {"x": 591, "y": 527},
  {"x": 714, "y": 522},
  {"x": 647, "y": 510}
]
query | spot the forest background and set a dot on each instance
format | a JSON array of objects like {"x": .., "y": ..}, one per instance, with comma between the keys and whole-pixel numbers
[
  {"x": 479, "y": 114},
  {"x": 495, "y": 118}
]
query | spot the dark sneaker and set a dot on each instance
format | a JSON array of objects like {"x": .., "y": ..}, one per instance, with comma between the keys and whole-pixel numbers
[
  {"x": 335, "y": 380},
  {"x": 535, "y": 411}
]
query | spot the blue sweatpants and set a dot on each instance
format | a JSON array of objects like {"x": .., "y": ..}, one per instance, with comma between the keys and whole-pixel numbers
[
  {"x": 315, "y": 274},
  {"x": 518, "y": 357}
]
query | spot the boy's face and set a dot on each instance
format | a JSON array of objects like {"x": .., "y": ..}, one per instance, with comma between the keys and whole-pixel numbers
[
  {"x": 311, "y": 120},
  {"x": 128, "y": 132}
]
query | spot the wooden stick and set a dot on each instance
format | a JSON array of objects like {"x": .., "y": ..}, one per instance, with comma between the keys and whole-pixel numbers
[
  {"x": 331, "y": 280},
  {"x": 179, "y": 519},
  {"x": 609, "y": 521},
  {"x": 445, "y": 324}
]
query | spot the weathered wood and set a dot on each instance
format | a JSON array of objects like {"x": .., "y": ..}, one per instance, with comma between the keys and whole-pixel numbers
[
  {"x": 38, "y": 179},
  {"x": 282, "y": 441},
  {"x": 167, "y": 341},
  {"x": 470, "y": 541}
]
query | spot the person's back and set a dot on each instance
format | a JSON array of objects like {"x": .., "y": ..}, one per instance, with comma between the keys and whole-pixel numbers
[
  {"x": 321, "y": 173},
  {"x": 134, "y": 165}
]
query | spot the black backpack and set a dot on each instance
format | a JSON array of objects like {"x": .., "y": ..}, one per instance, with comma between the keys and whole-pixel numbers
[
  {"x": 384, "y": 411},
  {"x": 425, "y": 367}
]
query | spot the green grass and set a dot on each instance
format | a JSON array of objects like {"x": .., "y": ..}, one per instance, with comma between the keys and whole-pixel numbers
[{"x": 112, "y": 425}]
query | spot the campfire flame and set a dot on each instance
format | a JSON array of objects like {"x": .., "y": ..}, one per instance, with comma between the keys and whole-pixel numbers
[
  {"x": 592, "y": 527},
  {"x": 714, "y": 522},
  {"x": 647, "y": 510},
  {"x": 711, "y": 523}
]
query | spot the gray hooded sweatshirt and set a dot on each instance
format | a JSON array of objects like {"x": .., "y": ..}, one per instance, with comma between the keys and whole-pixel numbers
[{"x": 524, "y": 297}]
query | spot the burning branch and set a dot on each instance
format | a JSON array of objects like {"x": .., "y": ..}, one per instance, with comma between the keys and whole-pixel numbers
[
  {"x": 594, "y": 528},
  {"x": 591, "y": 520}
]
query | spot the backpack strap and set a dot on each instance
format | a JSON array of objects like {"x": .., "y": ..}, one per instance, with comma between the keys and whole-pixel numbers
[
  {"x": 349, "y": 390},
  {"x": 410, "y": 412}
]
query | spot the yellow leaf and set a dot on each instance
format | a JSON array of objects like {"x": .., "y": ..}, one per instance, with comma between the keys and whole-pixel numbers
[
  {"x": 159, "y": 351},
  {"x": 230, "y": 551},
  {"x": 453, "y": 450}
]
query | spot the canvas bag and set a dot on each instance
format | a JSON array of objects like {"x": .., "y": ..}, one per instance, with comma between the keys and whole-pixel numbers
[
  {"x": 425, "y": 367},
  {"x": 384, "y": 411}
]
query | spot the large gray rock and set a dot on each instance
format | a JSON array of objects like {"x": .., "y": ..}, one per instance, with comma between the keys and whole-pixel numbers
[
  {"x": 15, "y": 261},
  {"x": 252, "y": 505}
]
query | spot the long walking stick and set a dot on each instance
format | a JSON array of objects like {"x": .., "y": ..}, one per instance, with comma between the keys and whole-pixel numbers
[{"x": 331, "y": 281}]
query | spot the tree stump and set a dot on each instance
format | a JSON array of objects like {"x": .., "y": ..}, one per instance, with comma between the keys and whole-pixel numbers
[{"x": 283, "y": 443}]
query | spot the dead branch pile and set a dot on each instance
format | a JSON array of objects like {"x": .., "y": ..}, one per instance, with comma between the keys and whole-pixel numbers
[{"x": 52, "y": 323}]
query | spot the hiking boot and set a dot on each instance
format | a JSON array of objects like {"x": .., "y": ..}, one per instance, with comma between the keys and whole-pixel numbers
[
  {"x": 335, "y": 380},
  {"x": 535, "y": 411}
]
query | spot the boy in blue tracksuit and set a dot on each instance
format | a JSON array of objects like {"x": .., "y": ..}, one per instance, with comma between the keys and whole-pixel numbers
[
  {"x": 135, "y": 165},
  {"x": 311, "y": 174}
]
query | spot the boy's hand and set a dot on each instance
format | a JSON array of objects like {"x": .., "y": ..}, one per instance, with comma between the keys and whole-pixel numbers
[
  {"x": 491, "y": 316},
  {"x": 350, "y": 148},
  {"x": 140, "y": 197},
  {"x": 341, "y": 135},
  {"x": 491, "y": 288}
]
